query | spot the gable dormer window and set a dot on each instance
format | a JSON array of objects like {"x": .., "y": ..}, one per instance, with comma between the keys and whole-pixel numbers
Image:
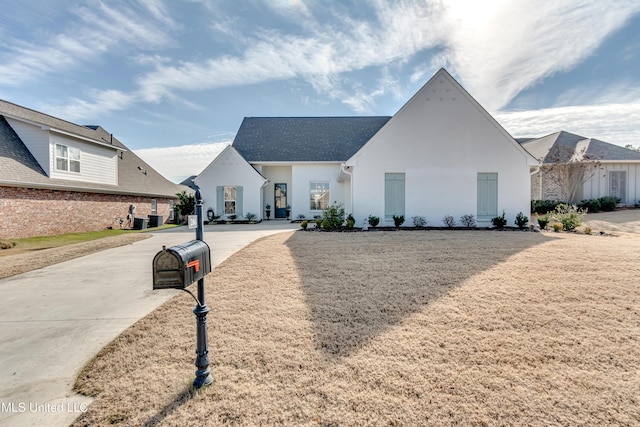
[{"x": 67, "y": 158}]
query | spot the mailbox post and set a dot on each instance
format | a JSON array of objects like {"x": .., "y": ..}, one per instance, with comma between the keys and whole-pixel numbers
[
  {"x": 203, "y": 373},
  {"x": 180, "y": 266}
]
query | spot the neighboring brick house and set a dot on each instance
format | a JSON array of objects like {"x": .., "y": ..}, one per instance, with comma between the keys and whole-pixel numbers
[
  {"x": 60, "y": 177},
  {"x": 599, "y": 169}
]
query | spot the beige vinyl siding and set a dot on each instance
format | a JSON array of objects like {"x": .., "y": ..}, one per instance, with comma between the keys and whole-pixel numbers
[{"x": 97, "y": 164}]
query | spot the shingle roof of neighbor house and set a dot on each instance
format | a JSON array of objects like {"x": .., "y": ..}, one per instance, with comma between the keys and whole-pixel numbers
[
  {"x": 18, "y": 167},
  {"x": 564, "y": 146},
  {"x": 304, "y": 139}
]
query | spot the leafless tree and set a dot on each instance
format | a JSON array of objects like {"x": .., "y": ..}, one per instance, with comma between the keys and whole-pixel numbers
[{"x": 569, "y": 169}]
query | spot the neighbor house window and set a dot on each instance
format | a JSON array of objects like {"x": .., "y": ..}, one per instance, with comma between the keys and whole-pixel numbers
[
  {"x": 393, "y": 195},
  {"x": 487, "y": 195},
  {"x": 67, "y": 158},
  {"x": 318, "y": 195},
  {"x": 229, "y": 200},
  {"x": 618, "y": 185},
  {"x": 154, "y": 206}
]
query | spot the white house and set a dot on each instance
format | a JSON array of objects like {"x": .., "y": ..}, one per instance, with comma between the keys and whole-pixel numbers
[{"x": 442, "y": 153}]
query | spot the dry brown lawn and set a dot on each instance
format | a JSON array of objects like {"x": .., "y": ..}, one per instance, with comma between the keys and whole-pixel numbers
[{"x": 392, "y": 328}]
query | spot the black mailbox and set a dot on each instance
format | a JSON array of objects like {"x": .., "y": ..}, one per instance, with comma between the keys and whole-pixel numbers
[{"x": 179, "y": 266}]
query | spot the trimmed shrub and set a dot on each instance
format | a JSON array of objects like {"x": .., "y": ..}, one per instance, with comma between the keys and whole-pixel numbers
[
  {"x": 304, "y": 225},
  {"x": 521, "y": 220},
  {"x": 250, "y": 216},
  {"x": 590, "y": 205},
  {"x": 449, "y": 221},
  {"x": 351, "y": 222},
  {"x": 373, "y": 221},
  {"x": 398, "y": 220},
  {"x": 544, "y": 206},
  {"x": 557, "y": 227},
  {"x": 468, "y": 220},
  {"x": 609, "y": 204},
  {"x": 419, "y": 221},
  {"x": 499, "y": 221}
]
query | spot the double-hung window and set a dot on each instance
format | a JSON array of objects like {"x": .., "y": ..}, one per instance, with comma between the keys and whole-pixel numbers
[
  {"x": 67, "y": 158},
  {"x": 319, "y": 195}
]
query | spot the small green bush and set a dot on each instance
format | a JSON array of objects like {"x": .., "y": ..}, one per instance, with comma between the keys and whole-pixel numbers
[
  {"x": 373, "y": 221},
  {"x": 304, "y": 225},
  {"x": 521, "y": 220},
  {"x": 590, "y": 205},
  {"x": 557, "y": 227},
  {"x": 544, "y": 206},
  {"x": 351, "y": 222},
  {"x": 468, "y": 220},
  {"x": 499, "y": 221},
  {"x": 398, "y": 220},
  {"x": 250, "y": 216},
  {"x": 333, "y": 217},
  {"x": 570, "y": 216},
  {"x": 609, "y": 204}
]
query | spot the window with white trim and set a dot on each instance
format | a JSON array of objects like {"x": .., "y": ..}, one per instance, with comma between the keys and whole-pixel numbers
[
  {"x": 67, "y": 158},
  {"x": 319, "y": 195},
  {"x": 394, "y": 196},
  {"x": 229, "y": 200}
]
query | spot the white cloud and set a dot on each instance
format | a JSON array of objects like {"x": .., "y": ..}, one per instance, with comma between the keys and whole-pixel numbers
[
  {"x": 176, "y": 163},
  {"x": 102, "y": 102},
  {"x": 98, "y": 29},
  {"x": 614, "y": 123},
  {"x": 501, "y": 48}
]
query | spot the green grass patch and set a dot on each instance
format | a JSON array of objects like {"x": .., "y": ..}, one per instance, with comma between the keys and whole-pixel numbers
[{"x": 45, "y": 242}]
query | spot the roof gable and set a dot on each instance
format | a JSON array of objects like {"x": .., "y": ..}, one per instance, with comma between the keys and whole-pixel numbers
[
  {"x": 565, "y": 147},
  {"x": 428, "y": 93},
  {"x": 229, "y": 157},
  {"x": 16, "y": 161},
  {"x": 304, "y": 139}
]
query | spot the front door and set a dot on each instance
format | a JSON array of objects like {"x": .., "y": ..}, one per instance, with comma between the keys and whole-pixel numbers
[{"x": 280, "y": 200}]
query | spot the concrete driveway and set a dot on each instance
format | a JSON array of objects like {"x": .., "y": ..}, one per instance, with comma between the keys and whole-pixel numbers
[{"x": 54, "y": 320}]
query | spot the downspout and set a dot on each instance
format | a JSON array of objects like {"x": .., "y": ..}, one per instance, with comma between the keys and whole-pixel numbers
[
  {"x": 264, "y": 184},
  {"x": 344, "y": 168},
  {"x": 535, "y": 171}
]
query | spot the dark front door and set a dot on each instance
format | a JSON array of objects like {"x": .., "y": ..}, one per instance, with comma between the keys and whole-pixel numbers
[{"x": 280, "y": 200}]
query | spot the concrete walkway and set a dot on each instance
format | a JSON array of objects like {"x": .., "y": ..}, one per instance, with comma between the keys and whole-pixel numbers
[{"x": 54, "y": 320}]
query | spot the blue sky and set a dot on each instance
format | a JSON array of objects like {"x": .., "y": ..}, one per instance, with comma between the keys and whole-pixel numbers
[{"x": 174, "y": 79}]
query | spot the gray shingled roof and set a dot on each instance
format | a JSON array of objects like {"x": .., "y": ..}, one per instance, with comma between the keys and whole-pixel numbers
[
  {"x": 304, "y": 139},
  {"x": 563, "y": 146},
  {"x": 18, "y": 167}
]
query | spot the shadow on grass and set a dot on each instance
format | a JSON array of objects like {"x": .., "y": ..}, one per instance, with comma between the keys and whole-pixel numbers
[
  {"x": 180, "y": 400},
  {"x": 358, "y": 285}
]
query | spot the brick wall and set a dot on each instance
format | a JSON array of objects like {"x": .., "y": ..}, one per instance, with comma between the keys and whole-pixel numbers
[{"x": 27, "y": 212}]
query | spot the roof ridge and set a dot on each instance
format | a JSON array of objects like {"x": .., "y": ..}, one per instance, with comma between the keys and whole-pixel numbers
[{"x": 46, "y": 114}]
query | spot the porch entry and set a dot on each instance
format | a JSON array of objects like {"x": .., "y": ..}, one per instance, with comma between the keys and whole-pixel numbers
[{"x": 280, "y": 200}]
